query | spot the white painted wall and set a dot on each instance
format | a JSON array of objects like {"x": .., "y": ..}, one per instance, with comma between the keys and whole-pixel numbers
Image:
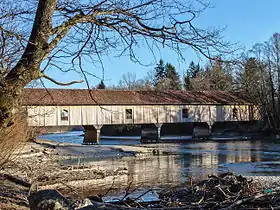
[
  {"x": 50, "y": 115},
  {"x": 36, "y": 115},
  {"x": 102, "y": 115}
]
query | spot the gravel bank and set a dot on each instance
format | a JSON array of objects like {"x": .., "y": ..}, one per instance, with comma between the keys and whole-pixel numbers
[{"x": 266, "y": 182}]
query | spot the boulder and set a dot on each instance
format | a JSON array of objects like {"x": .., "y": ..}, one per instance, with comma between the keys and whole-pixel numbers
[
  {"x": 48, "y": 200},
  {"x": 84, "y": 204}
]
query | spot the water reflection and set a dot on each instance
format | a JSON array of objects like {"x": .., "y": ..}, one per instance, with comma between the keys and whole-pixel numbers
[
  {"x": 239, "y": 156},
  {"x": 177, "y": 162}
]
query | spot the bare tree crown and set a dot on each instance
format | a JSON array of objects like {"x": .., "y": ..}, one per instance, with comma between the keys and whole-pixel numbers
[{"x": 61, "y": 34}]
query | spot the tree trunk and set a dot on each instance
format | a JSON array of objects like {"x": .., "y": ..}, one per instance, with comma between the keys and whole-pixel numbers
[
  {"x": 28, "y": 67},
  {"x": 278, "y": 89},
  {"x": 272, "y": 92}
]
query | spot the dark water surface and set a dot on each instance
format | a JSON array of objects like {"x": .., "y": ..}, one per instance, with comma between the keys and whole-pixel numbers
[
  {"x": 200, "y": 157},
  {"x": 76, "y": 137},
  {"x": 179, "y": 161}
]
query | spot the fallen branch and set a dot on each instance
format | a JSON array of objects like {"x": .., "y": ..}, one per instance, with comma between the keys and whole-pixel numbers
[
  {"x": 227, "y": 191},
  {"x": 244, "y": 200},
  {"x": 16, "y": 180}
]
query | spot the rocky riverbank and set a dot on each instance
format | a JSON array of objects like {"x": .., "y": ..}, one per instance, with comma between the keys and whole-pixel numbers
[
  {"x": 45, "y": 165},
  {"x": 226, "y": 191},
  {"x": 79, "y": 172}
]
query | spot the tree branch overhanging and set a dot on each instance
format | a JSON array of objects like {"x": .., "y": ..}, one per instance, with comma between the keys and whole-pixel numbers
[
  {"x": 63, "y": 31},
  {"x": 60, "y": 83},
  {"x": 139, "y": 20}
]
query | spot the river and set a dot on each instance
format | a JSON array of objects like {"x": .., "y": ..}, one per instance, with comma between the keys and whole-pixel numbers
[{"x": 197, "y": 159}]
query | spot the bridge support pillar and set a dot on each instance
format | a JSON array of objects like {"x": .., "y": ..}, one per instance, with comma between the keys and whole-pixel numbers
[
  {"x": 158, "y": 131},
  {"x": 149, "y": 133},
  {"x": 92, "y": 134},
  {"x": 201, "y": 130}
]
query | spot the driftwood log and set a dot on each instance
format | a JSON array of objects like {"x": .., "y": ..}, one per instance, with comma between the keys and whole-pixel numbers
[{"x": 16, "y": 180}]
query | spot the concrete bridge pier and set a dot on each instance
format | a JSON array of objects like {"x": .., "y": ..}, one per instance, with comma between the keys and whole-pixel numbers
[
  {"x": 150, "y": 133},
  {"x": 92, "y": 134},
  {"x": 158, "y": 125},
  {"x": 201, "y": 130}
]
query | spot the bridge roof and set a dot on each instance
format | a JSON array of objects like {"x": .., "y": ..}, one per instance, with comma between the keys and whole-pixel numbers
[{"x": 34, "y": 96}]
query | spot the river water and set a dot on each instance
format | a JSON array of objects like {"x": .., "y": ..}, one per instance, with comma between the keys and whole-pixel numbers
[{"x": 179, "y": 161}]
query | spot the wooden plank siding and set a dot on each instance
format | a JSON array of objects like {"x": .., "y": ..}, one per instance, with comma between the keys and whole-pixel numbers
[
  {"x": 141, "y": 114},
  {"x": 50, "y": 115}
]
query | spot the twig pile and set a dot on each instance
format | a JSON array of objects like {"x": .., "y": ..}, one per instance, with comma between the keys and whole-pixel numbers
[{"x": 225, "y": 191}]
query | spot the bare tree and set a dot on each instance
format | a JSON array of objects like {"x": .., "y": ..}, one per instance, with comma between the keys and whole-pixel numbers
[
  {"x": 214, "y": 76},
  {"x": 130, "y": 82},
  {"x": 62, "y": 34},
  {"x": 259, "y": 80}
]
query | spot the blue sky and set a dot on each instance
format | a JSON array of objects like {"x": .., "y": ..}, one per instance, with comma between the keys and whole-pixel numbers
[{"x": 247, "y": 22}]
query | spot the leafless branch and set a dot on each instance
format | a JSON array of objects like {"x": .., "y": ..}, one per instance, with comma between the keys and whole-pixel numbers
[{"x": 60, "y": 83}]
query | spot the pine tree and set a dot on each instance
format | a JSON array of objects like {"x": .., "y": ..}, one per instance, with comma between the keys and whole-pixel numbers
[
  {"x": 193, "y": 69},
  {"x": 249, "y": 75},
  {"x": 101, "y": 85},
  {"x": 160, "y": 73},
  {"x": 250, "y": 78},
  {"x": 220, "y": 76},
  {"x": 173, "y": 76},
  {"x": 166, "y": 77},
  {"x": 193, "y": 72},
  {"x": 187, "y": 82}
]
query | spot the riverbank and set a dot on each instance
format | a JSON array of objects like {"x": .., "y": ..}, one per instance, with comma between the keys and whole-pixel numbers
[
  {"x": 80, "y": 171},
  {"x": 50, "y": 165},
  {"x": 40, "y": 163}
]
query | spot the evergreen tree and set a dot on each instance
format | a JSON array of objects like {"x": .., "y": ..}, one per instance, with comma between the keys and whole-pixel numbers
[
  {"x": 101, "y": 85},
  {"x": 193, "y": 69},
  {"x": 220, "y": 76},
  {"x": 248, "y": 77},
  {"x": 160, "y": 73},
  {"x": 173, "y": 76},
  {"x": 166, "y": 77},
  {"x": 188, "y": 82},
  {"x": 193, "y": 72}
]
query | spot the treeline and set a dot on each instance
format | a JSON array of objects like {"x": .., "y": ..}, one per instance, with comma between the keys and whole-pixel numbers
[
  {"x": 256, "y": 74},
  {"x": 214, "y": 76},
  {"x": 258, "y": 77}
]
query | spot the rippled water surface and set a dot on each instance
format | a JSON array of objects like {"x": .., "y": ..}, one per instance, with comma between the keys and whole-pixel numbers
[{"x": 178, "y": 161}]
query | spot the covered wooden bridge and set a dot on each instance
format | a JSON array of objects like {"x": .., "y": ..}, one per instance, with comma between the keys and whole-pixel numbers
[{"x": 94, "y": 108}]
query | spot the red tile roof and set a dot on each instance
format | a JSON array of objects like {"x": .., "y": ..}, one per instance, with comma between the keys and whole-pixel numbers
[{"x": 33, "y": 96}]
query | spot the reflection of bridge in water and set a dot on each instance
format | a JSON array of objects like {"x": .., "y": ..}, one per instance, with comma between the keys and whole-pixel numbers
[
  {"x": 192, "y": 160},
  {"x": 152, "y": 110}
]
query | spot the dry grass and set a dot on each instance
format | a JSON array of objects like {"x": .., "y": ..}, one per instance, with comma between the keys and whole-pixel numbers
[{"x": 13, "y": 138}]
